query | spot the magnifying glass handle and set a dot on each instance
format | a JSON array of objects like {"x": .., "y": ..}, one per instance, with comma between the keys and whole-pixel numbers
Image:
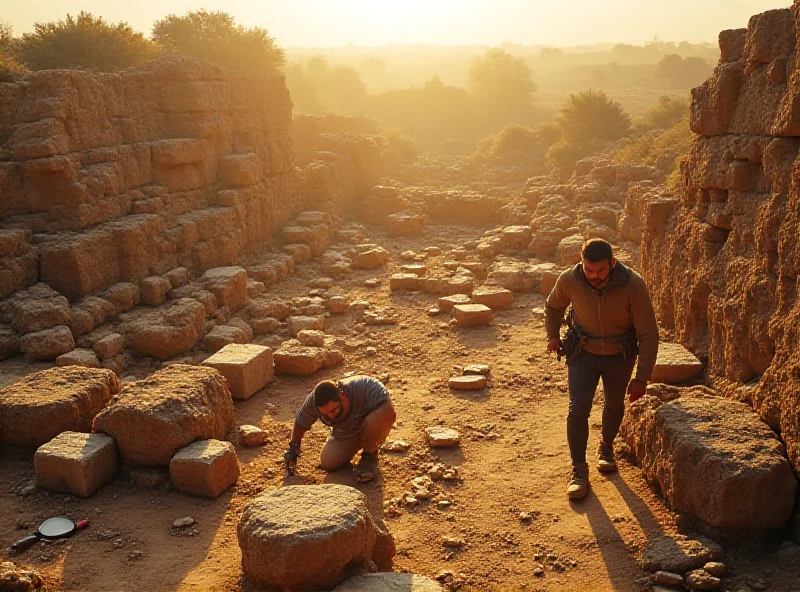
[
  {"x": 82, "y": 524},
  {"x": 23, "y": 544}
]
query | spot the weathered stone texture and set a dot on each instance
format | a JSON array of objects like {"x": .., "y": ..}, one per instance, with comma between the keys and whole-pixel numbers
[
  {"x": 37, "y": 408},
  {"x": 246, "y": 368},
  {"x": 303, "y": 537},
  {"x": 177, "y": 163},
  {"x": 76, "y": 463},
  {"x": 205, "y": 468},
  {"x": 154, "y": 417},
  {"x": 712, "y": 458},
  {"x": 721, "y": 256}
]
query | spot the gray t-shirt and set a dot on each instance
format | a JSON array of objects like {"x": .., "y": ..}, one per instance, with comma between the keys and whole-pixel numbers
[{"x": 365, "y": 394}]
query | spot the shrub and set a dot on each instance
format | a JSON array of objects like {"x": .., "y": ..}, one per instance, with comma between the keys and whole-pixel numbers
[
  {"x": 591, "y": 115},
  {"x": 84, "y": 42},
  {"x": 401, "y": 143},
  {"x": 662, "y": 148},
  {"x": 11, "y": 69},
  {"x": 213, "y": 36}
]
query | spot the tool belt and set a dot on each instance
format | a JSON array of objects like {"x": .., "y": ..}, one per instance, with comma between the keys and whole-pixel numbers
[{"x": 575, "y": 338}]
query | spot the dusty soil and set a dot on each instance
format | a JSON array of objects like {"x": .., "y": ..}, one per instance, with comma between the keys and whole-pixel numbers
[{"x": 509, "y": 507}]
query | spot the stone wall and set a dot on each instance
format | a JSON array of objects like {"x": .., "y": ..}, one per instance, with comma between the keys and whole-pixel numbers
[
  {"x": 722, "y": 256},
  {"x": 108, "y": 178}
]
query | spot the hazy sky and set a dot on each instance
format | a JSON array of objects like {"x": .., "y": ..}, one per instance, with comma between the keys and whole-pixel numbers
[{"x": 444, "y": 22}]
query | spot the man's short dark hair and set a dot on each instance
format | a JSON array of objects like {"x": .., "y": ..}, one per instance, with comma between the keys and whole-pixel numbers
[
  {"x": 597, "y": 250},
  {"x": 326, "y": 392}
]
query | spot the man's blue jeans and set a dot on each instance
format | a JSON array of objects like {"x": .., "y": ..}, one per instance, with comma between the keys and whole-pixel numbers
[{"x": 583, "y": 375}]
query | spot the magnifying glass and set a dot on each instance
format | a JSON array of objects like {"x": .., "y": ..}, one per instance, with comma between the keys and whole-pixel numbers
[{"x": 49, "y": 530}]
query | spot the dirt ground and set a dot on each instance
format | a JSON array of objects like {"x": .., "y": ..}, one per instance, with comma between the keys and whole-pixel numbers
[{"x": 508, "y": 515}]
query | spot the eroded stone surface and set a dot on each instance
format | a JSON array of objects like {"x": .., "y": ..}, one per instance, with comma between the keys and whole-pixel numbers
[
  {"x": 76, "y": 463},
  {"x": 154, "y": 417},
  {"x": 37, "y": 408},
  {"x": 712, "y": 458},
  {"x": 302, "y": 537}
]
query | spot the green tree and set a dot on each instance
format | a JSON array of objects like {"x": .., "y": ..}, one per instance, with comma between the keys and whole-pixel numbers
[
  {"x": 665, "y": 113},
  {"x": 502, "y": 83},
  {"x": 305, "y": 95},
  {"x": 84, "y": 42},
  {"x": 326, "y": 88},
  {"x": 591, "y": 115},
  {"x": 588, "y": 122},
  {"x": 10, "y": 68},
  {"x": 214, "y": 36},
  {"x": 689, "y": 71},
  {"x": 6, "y": 39}
]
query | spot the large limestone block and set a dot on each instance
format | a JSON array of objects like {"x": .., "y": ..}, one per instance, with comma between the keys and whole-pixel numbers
[
  {"x": 222, "y": 336},
  {"x": 302, "y": 537},
  {"x": 470, "y": 315},
  {"x": 109, "y": 346},
  {"x": 404, "y": 224},
  {"x": 152, "y": 418},
  {"x": 404, "y": 281},
  {"x": 713, "y": 458},
  {"x": 205, "y": 468},
  {"x": 239, "y": 170},
  {"x": 37, "y": 408},
  {"x": 389, "y": 582},
  {"x": 679, "y": 553},
  {"x": 76, "y": 463},
  {"x": 675, "y": 364},
  {"x": 80, "y": 265},
  {"x": 371, "y": 258},
  {"x": 169, "y": 331},
  {"x": 79, "y": 357},
  {"x": 246, "y": 367},
  {"x": 9, "y": 342},
  {"x": 40, "y": 307},
  {"x": 569, "y": 249},
  {"x": 303, "y": 323},
  {"x": 297, "y": 359},
  {"x": 446, "y": 303},
  {"x": 493, "y": 297},
  {"x": 228, "y": 284},
  {"x": 47, "y": 344},
  {"x": 298, "y": 234},
  {"x": 154, "y": 290}
]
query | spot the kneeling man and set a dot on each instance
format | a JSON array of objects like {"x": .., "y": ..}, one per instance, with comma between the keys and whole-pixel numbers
[{"x": 360, "y": 414}]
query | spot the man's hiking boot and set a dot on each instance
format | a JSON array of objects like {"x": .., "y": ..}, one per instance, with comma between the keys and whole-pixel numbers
[
  {"x": 367, "y": 467},
  {"x": 605, "y": 458},
  {"x": 578, "y": 485}
]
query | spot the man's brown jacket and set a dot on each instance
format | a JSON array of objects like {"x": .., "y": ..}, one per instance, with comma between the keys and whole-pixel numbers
[{"x": 608, "y": 314}]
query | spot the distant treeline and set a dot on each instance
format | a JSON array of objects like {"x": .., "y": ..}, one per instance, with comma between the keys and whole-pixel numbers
[{"x": 466, "y": 94}]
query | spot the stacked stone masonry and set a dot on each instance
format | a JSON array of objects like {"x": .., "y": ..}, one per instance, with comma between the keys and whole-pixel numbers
[
  {"x": 109, "y": 178},
  {"x": 116, "y": 190},
  {"x": 722, "y": 256}
]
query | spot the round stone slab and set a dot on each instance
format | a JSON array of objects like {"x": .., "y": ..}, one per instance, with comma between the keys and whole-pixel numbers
[
  {"x": 474, "y": 382},
  {"x": 389, "y": 582},
  {"x": 301, "y": 537}
]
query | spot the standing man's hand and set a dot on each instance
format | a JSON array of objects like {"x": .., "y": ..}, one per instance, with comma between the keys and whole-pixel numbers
[
  {"x": 636, "y": 389},
  {"x": 552, "y": 345}
]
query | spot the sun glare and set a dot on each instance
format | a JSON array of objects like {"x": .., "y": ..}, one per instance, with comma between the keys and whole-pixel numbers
[{"x": 414, "y": 21}]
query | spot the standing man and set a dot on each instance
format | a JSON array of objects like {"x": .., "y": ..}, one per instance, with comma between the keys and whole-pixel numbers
[
  {"x": 360, "y": 414},
  {"x": 613, "y": 314}
]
